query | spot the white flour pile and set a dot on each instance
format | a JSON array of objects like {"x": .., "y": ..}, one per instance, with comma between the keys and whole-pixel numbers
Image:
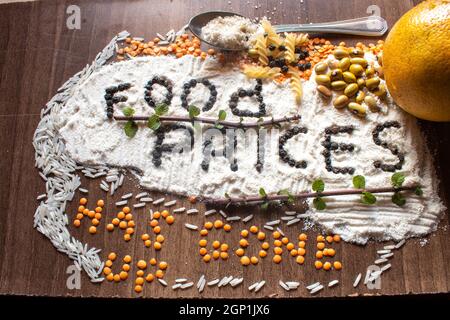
[
  {"x": 91, "y": 138},
  {"x": 232, "y": 32}
]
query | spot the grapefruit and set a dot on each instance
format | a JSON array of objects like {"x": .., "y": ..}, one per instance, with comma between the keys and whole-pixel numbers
[{"x": 416, "y": 61}]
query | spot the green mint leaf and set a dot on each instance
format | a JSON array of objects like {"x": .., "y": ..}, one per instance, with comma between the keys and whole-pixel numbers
[
  {"x": 153, "y": 122},
  {"x": 128, "y": 111},
  {"x": 283, "y": 192},
  {"x": 130, "y": 128},
  {"x": 368, "y": 198},
  {"x": 418, "y": 191},
  {"x": 193, "y": 111},
  {"x": 397, "y": 179},
  {"x": 398, "y": 199},
  {"x": 318, "y": 185},
  {"x": 359, "y": 182},
  {"x": 161, "y": 109},
  {"x": 291, "y": 198},
  {"x": 218, "y": 126},
  {"x": 222, "y": 115},
  {"x": 319, "y": 204},
  {"x": 264, "y": 206},
  {"x": 262, "y": 192}
]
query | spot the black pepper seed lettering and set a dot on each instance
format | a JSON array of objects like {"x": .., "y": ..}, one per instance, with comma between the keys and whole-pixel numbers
[
  {"x": 111, "y": 98},
  {"x": 242, "y": 93},
  {"x": 386, "y": 145},
  {"x": 162, "y": 81},
  {"x": 330, "y": 146},
  {"x": 192, "y": 84},
  {"x": 284, "y": 155},
  {"x": 161, "y": 147}
]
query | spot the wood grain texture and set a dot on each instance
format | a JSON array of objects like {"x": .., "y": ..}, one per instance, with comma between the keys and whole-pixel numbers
[{"x": 38, "y": 53}]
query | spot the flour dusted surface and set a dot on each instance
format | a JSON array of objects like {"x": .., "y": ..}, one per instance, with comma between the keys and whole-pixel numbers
[{"x": 91, "y": 138}]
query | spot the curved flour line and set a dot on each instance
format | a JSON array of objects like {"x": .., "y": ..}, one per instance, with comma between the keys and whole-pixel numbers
[{"x": 58, "y": 171}]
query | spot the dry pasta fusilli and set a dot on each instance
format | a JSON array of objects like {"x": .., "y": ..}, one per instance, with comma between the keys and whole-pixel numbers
[
  {"x": 259, "y": 72},
  {"x": 296, "y": 84},
  {"x": 289, "y": 43}
]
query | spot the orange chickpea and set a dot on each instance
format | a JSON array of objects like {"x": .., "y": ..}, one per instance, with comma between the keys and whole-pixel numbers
[
  {"x": 244, "y": 233},
  {"x": 81, "y": 209},
  {"x": 126, "y": 237},
  {"x": 319, "y": 254},
  {"x": 100, "y": 203},
  {"x": 206, "y": 258},
  {"x": 245, "y": 261},
  {"x": 204, "y": 232},
  {"x": 156, "y": 215},
  {"x": 123, "y": 225},
  {"x": 218, "y": 224},
  {"x": 227, "y": 227},
  {"x": 302, "y": 244},
  {"x": 240, "y": 252},
  {"x": 153, "y": 261},
  {"x": 327, "y": 266},
  {"x": 301, "y": 251},
  {"x": 300, "y": 259},
  {"x": 157, "y": 229},
  {"x": 160, "y": 238},
  {"x": 147, "y": 243},
  {"x": 224, "y": 255},
  {"x": 126, "y": 210},
  {"x": 202, "y": 243},
  {"x": 216, "y": 254},
  {"x": 321, "y": 245},
  {"x": 336, "y": 238},
  {"x": 337, "y": 265},
  {"x": 318, "y": 265},
  {"x": 203, "y": 251},
  {"x": 170, "y": 220},
  {"x": 276, "y": 234},
  {"x": 265, "y": 245},
  {"x": 110, "y": 227},
  {"x": 83, "y": 201},
  {"x": 150, "y": 277},
  {"x": 76, "y": 223},
  {"x": 262, "y": 253},
  {"x": 277, "y": 250},
  {"x": 216, "y": 244},
  {"x": 243, "y": 243},
  {"x": 121, "y": 215},
  {"x": 276, "y": 259},
  {"x": 261, "y": 236},
  {"x": 157, "y": 245},
  {"x": 92, "y": 230},
  {"x": 126, "y": 259},
  {"x": 253, "y": 229},
  {"x": 115, "y": 222},
  {"x": 329, "y": 239},
  {"x": 208, "y": 225}
]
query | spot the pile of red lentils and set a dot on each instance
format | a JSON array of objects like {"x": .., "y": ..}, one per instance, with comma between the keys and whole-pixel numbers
[{"x": 183, "y": 45}]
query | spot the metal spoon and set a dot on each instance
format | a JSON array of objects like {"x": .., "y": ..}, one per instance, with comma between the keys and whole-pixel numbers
[{"x": 371, "y": 26}]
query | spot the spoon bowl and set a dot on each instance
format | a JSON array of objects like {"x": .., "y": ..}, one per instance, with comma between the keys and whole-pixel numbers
[
  {"x": 199, "y": 21},
  {"x": 370, "y": 26}
]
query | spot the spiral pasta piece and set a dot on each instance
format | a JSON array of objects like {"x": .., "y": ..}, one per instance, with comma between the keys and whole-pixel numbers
[
  {"x": 261, "y": 49},
  {"x": 296, "y": 84},
  {"x": 301, "y": 39},
  {"x": 272, "y": 36},
  {"x": 258, "y": 72},
  {"x": 289, "y": 43}
]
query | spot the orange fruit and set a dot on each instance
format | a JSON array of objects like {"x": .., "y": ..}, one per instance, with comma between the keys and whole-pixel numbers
[{"x": 416, "y": 61}]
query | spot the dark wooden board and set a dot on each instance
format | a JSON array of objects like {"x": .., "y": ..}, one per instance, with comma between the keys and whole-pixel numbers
[{"x": 38, "y": 53}]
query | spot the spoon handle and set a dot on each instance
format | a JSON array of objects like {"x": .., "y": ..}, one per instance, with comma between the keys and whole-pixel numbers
[{"x": 373, "y": 26}]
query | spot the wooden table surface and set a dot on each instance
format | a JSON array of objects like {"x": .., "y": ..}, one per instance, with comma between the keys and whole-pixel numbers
[{"x": 38, "y": 53}]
